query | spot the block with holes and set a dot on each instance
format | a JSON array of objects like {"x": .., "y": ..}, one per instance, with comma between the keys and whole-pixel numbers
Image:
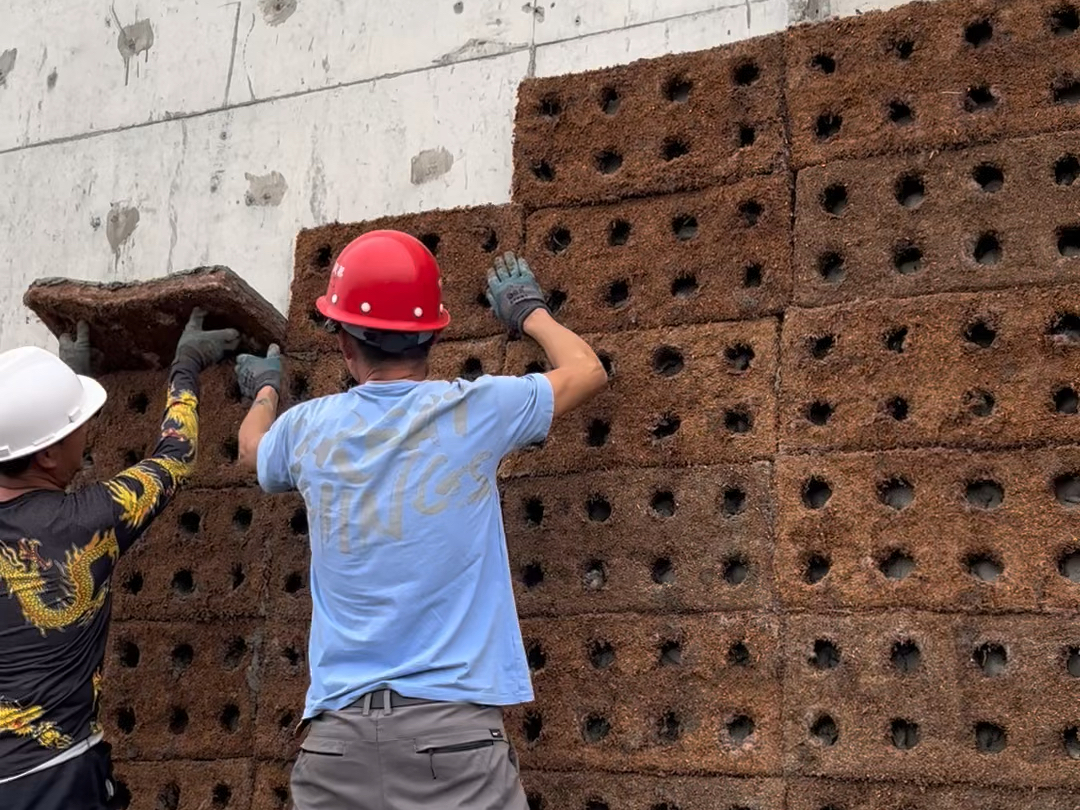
[
  {"x": 922, "y": 77},
  {"x": 986, "y": 217},
  {"x": 180, "y": 689},
  {"x": 218, "y": 783},
  {"x": 599, "y": 791},
  {"x": 870, "y": 695},
  {"x": 819, "y": 794},
  {"x": 271, "y": 786},
  {"x": 654, "y": 126},
  {"x": 718, "y": 254},
  {"x": 576, "y": 542},
  {"x": 971, "y": 369},
  {"x": 948, "y": 530},
  {"x": 464, "y": 241},
  {"x": 288, "y": 595},
  {"x": 678, "y": 396},
  {"x": 283, "y": 682}
]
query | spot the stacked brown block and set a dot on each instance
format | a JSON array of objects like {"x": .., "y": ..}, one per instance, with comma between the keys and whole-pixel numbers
[{"x": 816, "y": 546}]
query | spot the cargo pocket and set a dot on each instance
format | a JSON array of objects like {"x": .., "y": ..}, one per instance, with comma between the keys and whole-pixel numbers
[
  {"x": 323, "y": 747},
  {"x": 455, "y": 754}
]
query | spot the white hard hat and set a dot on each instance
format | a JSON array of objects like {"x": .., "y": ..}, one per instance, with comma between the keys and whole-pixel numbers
[{"x": 41, "y": 401}]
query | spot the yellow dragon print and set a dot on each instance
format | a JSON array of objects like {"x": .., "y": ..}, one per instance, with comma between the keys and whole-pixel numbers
[
  {"x": 95, "y": 682},
  {"x": 22, "y": 569},
  {"x": 15, "y": 719}
]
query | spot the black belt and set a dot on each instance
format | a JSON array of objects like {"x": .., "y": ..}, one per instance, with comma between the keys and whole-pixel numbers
[{"x": 378, "y": 698}]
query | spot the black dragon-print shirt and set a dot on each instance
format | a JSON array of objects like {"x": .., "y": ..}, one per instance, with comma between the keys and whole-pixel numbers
[{"x": 57, "y": 555}]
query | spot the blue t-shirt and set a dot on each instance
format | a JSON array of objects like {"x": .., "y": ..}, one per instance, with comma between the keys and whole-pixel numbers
[{"x": 410, "y": 581}]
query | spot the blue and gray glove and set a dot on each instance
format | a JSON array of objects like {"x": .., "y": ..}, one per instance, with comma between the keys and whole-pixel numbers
[
  {"x": 76, "y": 353},
  {"x": 254, "y": 373},
  {"x": 513, "y": 292},
  {"x": 205, "y": 348}
]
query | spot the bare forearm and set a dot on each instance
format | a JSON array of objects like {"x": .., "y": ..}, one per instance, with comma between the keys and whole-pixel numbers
[
  {"x": 578, "y": 374},
  {"x": 255, "y": 425}
]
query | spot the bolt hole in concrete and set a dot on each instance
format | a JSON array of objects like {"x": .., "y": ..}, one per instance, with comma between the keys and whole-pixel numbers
[
  {"x": 598, "y": 508},
  {"x": 907, "y": 259},
  {"x": 139, "y": 402},
  {"x": 190, "y": 521},
  {"x": 543, "y": 171},
  {"x": 235, "y": 651},
  {"x": 904, "y": 734},
  {"x": 750, "y": 212},
  {"x": 819, "y": 413},
  {"x": 1069, "y": 564},
  {"x": 559, "y": 240},
  {"x": 1066, "y": 90},
  {"x": 905, "y": 656},
  {"x": 667, "y": 426},
  {"x": 533, "y": 726},
  {"x": 128, "y": 654},
  {"x": 978, "y": 34},
  {"x": 826, "y": 655},
  {"x": 596, "y": 728},
  {"x": 608, "y": 162},
  {"x": 984, "y": 567},
  {"x": 1067, "y": 489},
  {"x": 669, "y": 728},
  {"x": 183, "y": 583},
  {"x": 674, "y": 148},
  {"x": 685, "y": 227},
  {"x": 747, "y": 135},
  {"x": 678, "y": 89},
  {"x": 817, "y": 568},
  {"x": 182, "y": 656},
  {"x": 752, "y": 276},
  {"x": 619, "y": 232},
  {"x": 738, "y": 420},
  {"x": 736, "y": 571},
  {"x": 825, "y": 731},
  {"x": 739, "y": 729},
  {"x": 990, "y": 658},
  {"x": 663, "y": 572},
  {"x": 1069, "y": 241},
  {"x": 980, "y": 403},
  {"x": 618, "y": 293},
  {"x": 903, "y": 49},
  {"x": 901, "y": 114},
  {"x": 831, "y": 267},
  {"x": 534, "y": 512},
  {"x": 294, "y": 582},
  {"x": 472, "y": 369},
  {"x": 125, "y": 719},
  {"x": 595, "y": 575},
  {"x": 834, "y": 199},
  {"x": 816, "y": 492},
  {"x": 984, "y": 494},
  {"x": 670, "y": 653},
  {"x": 1066, "y": 401},
  {"x": 168, "y": 797},
  {"x": 663, "y": 503},
  {"x": 597, "y": 433},
  {"x": 550, "y": 107},
  {"x": 738, "y": 654},
  {"x": 821, "y": 346},
  {"x": 609, "y": 100},
  {"x": 897, "y": 408},
  {"x": 828, "y": 126},
  {"x": 601, "y": 654},
  {"x": 896, "y": 493},
  {"x": 897, "y": 565},
  {"x": 981, "y": 334},
  {"x": 980, "y": 99},
  {"x": 990, "y": 738},
  {"x": 823, "y": 62},
  {"x": 667, "y": 361},
  {"x": 684, "y": 286},
  {"x": 536, "y": 656},
  {"x": 910, "y": 191},
  {"x": 1067, "y": 170},
  {"x": 987, "y": 251},
  {"x": 221, "y": 796},
  {"x": 739, "y": 357},
  {"x": 178, "y": 720},
  {"x": 733, "y": 502}
]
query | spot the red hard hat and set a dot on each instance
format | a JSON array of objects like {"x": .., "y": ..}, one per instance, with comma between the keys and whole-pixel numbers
[{"x": 388, "y": 281}]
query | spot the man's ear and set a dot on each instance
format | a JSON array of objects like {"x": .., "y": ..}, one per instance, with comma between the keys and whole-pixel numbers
[
  {"x": 347, "y": 346},
  {"x": 49, "y": 458}
]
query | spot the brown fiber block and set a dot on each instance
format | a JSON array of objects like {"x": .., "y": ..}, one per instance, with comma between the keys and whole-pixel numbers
[
  {"x": 971, "y": 369},
  {"x": 283, "y": 681},
  {"x": 927, "y": 76},
  {"x": 205, "y": 557},
  {"x": 595, "y": 791},
  {"x": 846, "y": 685},
  {"x": 465, "y": 242},
  {"x": 288, "y": 595},
  {"x": 136, "y": 325},
  {"x": 648, "y": 540},
  {"x": 180, "y": 690},
  {"x": 272, "y": 786},
  {"x": 678, "y": 397},
  {"x": 654, "y": 708},
  {"x": 184, "y": 785},
  {"x": 984, "y": 531},
  {"x": 817, "y": 794},
  {"x": 719, "y": 254},
  {"x": 985, "y": 217},
  {"x": 659, "y": 125}
]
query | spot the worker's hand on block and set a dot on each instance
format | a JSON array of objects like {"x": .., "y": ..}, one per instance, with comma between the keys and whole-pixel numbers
[
  {"x": 76, "y": 352},
  {"x": 513, "y": 292},
  {"x": 205, "y": 348},
  {"x": 254, "y": 373}
]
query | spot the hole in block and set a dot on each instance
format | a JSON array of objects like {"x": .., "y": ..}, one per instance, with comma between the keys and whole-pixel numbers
[
  {"x": 825, "y": 731},
  {"x": 183, "y": 583},
  {"x": 834, "y": 199},
  {"x": 472, "y": 369},
  {"x": 678, "y": 89},
  {"x": 1066, "y": 90},
  {"x": 907, "y": 259},
  {"x": 294, "y": 582},
  {"x": 897, "y": 565},
  {"x": 1069, "y": 564},
  {"x": 534, "y": 512},
  {"x": 739, "y": 357},
  {"x": 619, "y": 232},
  {"x": 559, "y": 240},
  {"x": 182, "y": 656},
  {"x": 980, "y": 99},
  {"x": 830, "y": 267},
  {"x": 139, "y": 403},
  {"x": 667, "y": 361},
  {"x": 984, "y": 494},
  {"x": 739, "y": 729},
  {"x": 669, "y": 728},
  {"x": 896, "y": 493},
  {"x": 904, "y": 734},
  {"x": 818, "y": 413},
  {"x": 987, "y": 250},
  {"x": 550, "y": 107},
  {"x": 821, "y": 346},
  {"x": 824, "y": 63},
  {"x": 817, "y": 568},
  {"x": 901, "y": 113},
  {"x": 733, "y": 502},
  {"x": 1068, "y": 244},
  {"x": 601, "y": 654},
  {"x": 608, "y": 162},
  {"x": 532, "y": 575},
  {"x": 902, "y": 49},
  {"x": 666, "y": 426},
  {"x": 990, "y": 738},
  {"x": 828, "y": 126},
  {"x": 609, "y": 100},
  {"x": 128, "y": 654},
  {"x": 750, "y": 212},
  {"x": 674, "y": 148},
  {"x": 168, "y": 797},
  {"x": 979, "y": 403},
  {"x": 910, "y": 191},
  {"x": 685, "y": 227},
  {"x": 178, "y": 720},
  {"x": 746, "y": 74},
  {"x": 816, "y": 492},
  {"x": 1065, "y": 328},
  {"x": 595, "y": 728},
  {"x": 752, "y": 275},
  {"x": 906, "y": 656},
  {"x": 490, "y": 242},
  {"x": 1066, "y": 170},
  {"x": 190, "y": 521},
  {"x": 984, "y": 567},
  {"x": 235, "y": 650},
  {"x": 663, "y": 503},
  {"x": 536, "y": 656},
  {"x": 738, "y": 420},
  {"x": 685, "y": 286},
  {"x": 543, "y": 171},
  {"x": 663, "y": 572},
  {"x": 979, "y": 33},
  {"x": 747, "y": 135},
  {"x": 618, "y": 293},
  {"x": 1064, "y": 21},
  {"x": 736, "y": 571},
  {"x": 981, "y": 334},
  {"x": 229, "y": 718},
  {"x": 598, "y": 508},
  {"x": 555, "y": 300},
  {"x": 595, "y": 576},
  {"x": 597, "y": 433},
  {"x": 221, "y": 795},
  {"x": 125, "y": 719},
  {"x": 670, "y": 653},
  {"x": 738, "y": 654},
  {"x": 826, "y": 655},
  {"x": 991, "y": 659}
]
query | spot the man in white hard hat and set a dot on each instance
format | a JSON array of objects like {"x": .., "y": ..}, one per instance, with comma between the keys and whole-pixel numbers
[{"x": 57, "y": 554}]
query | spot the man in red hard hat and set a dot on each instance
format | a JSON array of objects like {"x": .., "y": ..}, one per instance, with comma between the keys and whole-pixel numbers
[{"x": 415, "y": 644}]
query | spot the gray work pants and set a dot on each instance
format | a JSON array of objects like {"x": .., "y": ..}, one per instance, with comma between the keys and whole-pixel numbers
[{"x": 444, "y": 756}]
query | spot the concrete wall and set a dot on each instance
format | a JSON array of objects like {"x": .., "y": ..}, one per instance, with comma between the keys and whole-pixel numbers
[{"x": 140, "y": 138}]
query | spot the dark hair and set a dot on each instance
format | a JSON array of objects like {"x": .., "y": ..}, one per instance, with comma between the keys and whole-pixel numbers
[
  {"x": 375, "y": 356},
  {"x": 16, "y": 467}
]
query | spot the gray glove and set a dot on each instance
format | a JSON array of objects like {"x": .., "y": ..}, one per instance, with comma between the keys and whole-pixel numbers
[
  {"x": 253, "y": 373},
  {"x": 76, "y": 353},
  {"x": 513, "y": 292},
  {"x": 205, "y": 348}
]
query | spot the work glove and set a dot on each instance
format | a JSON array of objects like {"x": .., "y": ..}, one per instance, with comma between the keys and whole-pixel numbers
[
  {"x": 76, "y": 353},
  {"x": 253, "y": 373},
  {"x": 513, "y": 292},
  {"x": 205, "y": 348}
]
